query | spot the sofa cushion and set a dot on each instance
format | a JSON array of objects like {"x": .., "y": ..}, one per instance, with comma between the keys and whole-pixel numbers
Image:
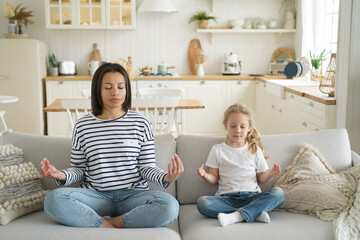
[
  {"x": 312, "y": 187},
  {"x": 21, "y": 191},
  {"x": 194, "y": 150},
  {"x": 58, "y": 150},
  {"x": 283, "y": 225},
  {"x": 333, "y": 143},
  {"x": 38, "y": 226}
]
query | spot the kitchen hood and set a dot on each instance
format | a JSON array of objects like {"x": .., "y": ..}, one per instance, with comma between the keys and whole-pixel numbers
[{"x": 157, "y": 6}]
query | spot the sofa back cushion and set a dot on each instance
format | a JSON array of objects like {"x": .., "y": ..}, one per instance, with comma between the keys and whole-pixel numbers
[
  {"x": 58, "y": 150},
  {"x": 194, "y": 150}
]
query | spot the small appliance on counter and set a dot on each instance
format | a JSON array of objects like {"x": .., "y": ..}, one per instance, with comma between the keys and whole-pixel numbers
[
  {"x": 231, "y": 64},
  {"x": 67, "y": 68},
  {"x": 277, "y": 67}
]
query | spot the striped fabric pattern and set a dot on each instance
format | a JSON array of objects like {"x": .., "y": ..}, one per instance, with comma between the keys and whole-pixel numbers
[{"x": 113, "y": 154}]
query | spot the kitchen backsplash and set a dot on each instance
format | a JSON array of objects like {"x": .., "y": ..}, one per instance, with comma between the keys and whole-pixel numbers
[{"x": 165, "y": 36}]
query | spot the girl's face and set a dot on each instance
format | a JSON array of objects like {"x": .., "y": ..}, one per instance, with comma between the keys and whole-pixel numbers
[
  {"x": 237, "y": 127},
  {"x": 113, "y": 91}
]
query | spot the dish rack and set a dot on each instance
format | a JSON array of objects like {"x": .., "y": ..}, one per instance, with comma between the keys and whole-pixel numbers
[{"x": 327, "y": 84}]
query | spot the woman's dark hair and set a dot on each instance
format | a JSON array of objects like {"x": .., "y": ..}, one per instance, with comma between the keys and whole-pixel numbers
[{"x": 96, "y": 102}]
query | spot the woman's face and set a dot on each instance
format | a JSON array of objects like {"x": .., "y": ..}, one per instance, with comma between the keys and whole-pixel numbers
[
  {"x": 237, "y": 128},
  {"x": 113, "y": 90}
]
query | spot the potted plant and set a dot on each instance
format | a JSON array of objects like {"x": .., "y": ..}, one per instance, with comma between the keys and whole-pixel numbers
[
  {"x": 317, "y": 60},
  {"x": 17, "y": 16},
  {"x": 53, "y": 64},
  {"x": 202, "y": 17}
]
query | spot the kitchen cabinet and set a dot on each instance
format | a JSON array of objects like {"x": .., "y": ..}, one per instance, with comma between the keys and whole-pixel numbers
[
  {"x": 207, "y": 121},
  {"x": 90, "y": 14},
  {"x": 261, "y": 115},
  {"x": 314, "y": 115},
  {"x": 57, "y": 123},
  {"x": 240, "y": 91},
  {"x": 276, "y": 121}
]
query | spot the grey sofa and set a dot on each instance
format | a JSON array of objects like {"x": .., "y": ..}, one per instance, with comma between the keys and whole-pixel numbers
[{"x": 193, "y": 150}]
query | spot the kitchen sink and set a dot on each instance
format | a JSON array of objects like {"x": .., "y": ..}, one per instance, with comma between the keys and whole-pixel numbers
[{"x": 277, "y": 87}]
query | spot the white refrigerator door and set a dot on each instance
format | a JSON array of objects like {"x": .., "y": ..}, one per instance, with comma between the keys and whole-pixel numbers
[{"x": 23, "y": 68}]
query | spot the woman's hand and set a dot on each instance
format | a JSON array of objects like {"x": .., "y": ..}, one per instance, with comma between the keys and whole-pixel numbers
[
  {"x": 176, "y": 170},
  {"x": 49, "y": 171}
]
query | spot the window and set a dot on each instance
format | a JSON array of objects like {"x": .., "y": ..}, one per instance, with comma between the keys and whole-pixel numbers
[{"x": 326, "y": 30}]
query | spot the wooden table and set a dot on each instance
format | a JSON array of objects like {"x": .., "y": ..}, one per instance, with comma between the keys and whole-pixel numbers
[{"x": 183, "y": 104}]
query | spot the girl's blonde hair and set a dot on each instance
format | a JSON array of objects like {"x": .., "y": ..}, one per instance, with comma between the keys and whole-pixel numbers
[{"x": 253, "y": 137}]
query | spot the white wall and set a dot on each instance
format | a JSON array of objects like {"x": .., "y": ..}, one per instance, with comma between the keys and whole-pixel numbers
[{"x": 165, "y": 36}]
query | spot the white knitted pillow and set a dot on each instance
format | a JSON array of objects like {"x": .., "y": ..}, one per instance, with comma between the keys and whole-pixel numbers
[
  {"x": 312, "y": 187},
  {"x": 21, "y": 191}
]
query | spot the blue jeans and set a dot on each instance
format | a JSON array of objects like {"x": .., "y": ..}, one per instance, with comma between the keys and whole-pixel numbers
[
  {"x": 80, "y": 207},
  {"x": 248, "y": 204}
]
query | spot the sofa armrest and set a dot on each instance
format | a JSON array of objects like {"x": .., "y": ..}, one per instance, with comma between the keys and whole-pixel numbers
[{"x": 355, "y": 158}]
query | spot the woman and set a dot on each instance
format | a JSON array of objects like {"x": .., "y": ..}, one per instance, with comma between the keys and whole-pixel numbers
[{"x": 113, "y": 157}]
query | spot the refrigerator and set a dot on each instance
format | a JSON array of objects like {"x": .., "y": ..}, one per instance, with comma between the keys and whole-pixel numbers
[{"x": 22, "y": 70}]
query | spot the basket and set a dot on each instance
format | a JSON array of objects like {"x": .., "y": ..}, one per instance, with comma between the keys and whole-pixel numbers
[
  {"x": 327, "y": 84},
  {"x": 16, "y": 36}
]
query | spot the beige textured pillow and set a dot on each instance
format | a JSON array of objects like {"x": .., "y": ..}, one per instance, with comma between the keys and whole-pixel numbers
[
  {"x": 312, "y": 187},
  {"x": 21, "y": 191}
]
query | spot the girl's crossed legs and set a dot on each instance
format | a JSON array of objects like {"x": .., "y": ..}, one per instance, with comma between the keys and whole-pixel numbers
[{"x": 249, "y": 204}]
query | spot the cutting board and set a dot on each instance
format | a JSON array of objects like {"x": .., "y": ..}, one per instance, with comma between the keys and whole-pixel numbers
[
  {"x": 95, "y": 54},
  {"x": 193, "y": 52}
]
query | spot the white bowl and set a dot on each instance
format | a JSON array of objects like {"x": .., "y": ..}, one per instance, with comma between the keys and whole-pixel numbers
[{"x": 237, "y": 23}]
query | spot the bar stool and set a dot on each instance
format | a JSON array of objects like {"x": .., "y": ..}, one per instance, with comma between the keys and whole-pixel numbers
[{"x": 6, "y": 99}]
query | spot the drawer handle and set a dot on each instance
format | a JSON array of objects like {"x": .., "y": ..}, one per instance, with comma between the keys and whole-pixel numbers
[
  {"x": 304, "y": 124},
  {"x": 292, "y": 96},
  {"x": 202, "y": 82},
  {"x": 272, "y": 106},
  {"x": 240, "y": 82},
  {"x": 311, "y": 104},
  {"x": 3, "y": 77},
  {"x": 61, "y": 82}
]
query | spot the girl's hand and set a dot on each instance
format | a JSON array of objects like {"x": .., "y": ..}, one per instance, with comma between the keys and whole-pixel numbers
[
  {"x": 201, "y": 172},
  {"x": 49, "y": 171},
  {"x": 275, "y": 171},
  {"x": 175, "y": 172}
]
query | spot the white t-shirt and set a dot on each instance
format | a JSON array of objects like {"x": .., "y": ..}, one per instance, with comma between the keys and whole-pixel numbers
[{"x": 237, "y": 168}]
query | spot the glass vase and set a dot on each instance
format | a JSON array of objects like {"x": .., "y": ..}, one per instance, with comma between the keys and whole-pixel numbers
[{"x": 12, "y": 27}]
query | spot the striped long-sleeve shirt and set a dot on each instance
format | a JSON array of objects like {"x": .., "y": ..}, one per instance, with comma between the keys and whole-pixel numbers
[{"x": 113, "y": 154}]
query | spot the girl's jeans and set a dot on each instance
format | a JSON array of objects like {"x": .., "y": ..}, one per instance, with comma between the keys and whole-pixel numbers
[
  {"x": 248, "y": 204},
  {"x": 80, "y": 207}
]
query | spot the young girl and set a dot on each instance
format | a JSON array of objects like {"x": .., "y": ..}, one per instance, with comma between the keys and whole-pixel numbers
[{"x": 238, "y": 164}]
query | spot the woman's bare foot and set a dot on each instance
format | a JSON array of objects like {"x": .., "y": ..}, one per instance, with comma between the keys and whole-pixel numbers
[
  {"x": 116, "y": 222},
  {"x": 106, "y": 224}
]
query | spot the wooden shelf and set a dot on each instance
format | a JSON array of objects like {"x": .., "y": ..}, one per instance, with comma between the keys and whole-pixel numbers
[
  {"x": 278, "y": 32},
  {"x": 209, "y": 30}
]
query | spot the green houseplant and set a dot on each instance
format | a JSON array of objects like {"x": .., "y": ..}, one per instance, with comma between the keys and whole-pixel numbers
[
  {"x": 53, "y": 64},
  {"x": 317, "y": 59},
  {"x": 202, "y": 17}
]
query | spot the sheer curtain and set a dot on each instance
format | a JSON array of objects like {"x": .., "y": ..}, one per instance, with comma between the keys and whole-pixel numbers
[{"x": 319, "y": 27}]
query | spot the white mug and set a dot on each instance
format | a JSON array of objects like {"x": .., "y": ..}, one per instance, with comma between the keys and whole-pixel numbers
[
  {"x": 200, "y": 69},
  {"x": 92, "y": 66}
]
